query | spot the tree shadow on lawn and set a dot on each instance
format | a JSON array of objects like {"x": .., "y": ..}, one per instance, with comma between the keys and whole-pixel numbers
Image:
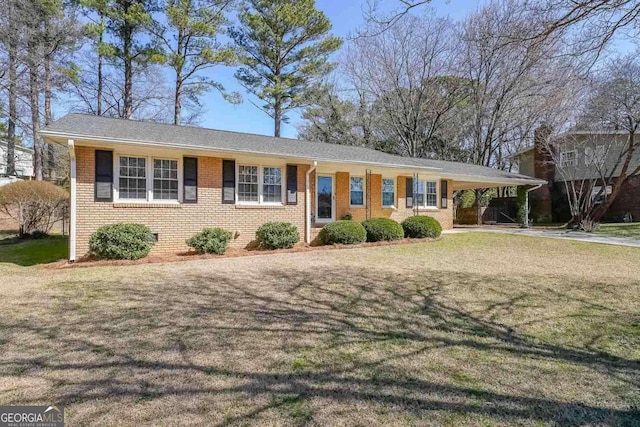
[{"x": 282, "y": 341}]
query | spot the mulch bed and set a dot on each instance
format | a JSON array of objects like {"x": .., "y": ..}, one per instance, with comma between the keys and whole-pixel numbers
[{"x": 230, "y": 253}]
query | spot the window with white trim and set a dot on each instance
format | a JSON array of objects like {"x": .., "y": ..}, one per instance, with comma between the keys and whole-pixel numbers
[
  {"x": 431, "y": 194},
  {"x": 388, "y": 192},
  {"x": 272, "y": 185},
  {"x": 132, "y": 181},
  {"x": 260, "y": 184},
  {"x": 594, "y": 155},
  {"x": 568, "y": 158},
  {"x": 165, "y": 179},
  {"x": 147, "y": 179},
  {"x": 426, "y": 194},
  {"x": 356, "y": 187},
  {"x": 248, "y": 188}
]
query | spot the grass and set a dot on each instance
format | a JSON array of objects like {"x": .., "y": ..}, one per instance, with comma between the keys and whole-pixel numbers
[
  {"x": 631, "y": 229},
  {"x": 30, "y": 252},
  {"x": 474, "y": 329}
]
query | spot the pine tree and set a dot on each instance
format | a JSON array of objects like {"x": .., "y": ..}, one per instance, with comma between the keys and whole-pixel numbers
[
  {"x": 126, "y": 21},
  {"x": 191, "y": 43},
  {"x": 284, "y": 47}
]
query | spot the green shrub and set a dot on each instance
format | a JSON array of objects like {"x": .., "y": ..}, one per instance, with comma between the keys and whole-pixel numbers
[
  {"x": 346, "y": 216},
  {"x": 382, "y": 229},
  {"x": 121, "y": 241},
  {"x": 277, "y": 235},
  {"x": 342, "y": 232},
  {"x": 419, "y": 227},
  {"x": 210, "y": 241}
]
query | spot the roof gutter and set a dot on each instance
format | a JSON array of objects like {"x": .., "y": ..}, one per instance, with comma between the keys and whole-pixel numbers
[
  {"x": 470, "y": 178},
  {"x": 54, "y": 134}
]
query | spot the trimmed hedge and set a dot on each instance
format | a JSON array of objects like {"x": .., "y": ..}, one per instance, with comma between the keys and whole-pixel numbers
[
  {"x": 121, "y": 241},
  {"x": 380, "y": 229},
  {"x": 277, "y": 235},
  {"x": 421, "y": 226},
  {"x": 210, "y": 241},
  {"x": 342, "y": 232}
]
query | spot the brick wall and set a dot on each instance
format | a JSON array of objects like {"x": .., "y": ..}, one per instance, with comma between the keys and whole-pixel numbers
[
  {"x": 627, "y": 201},
  {"x": 399, "y": 213},
  {"x": 541, "y": 200},
  {"x": 174, "y": 223}
]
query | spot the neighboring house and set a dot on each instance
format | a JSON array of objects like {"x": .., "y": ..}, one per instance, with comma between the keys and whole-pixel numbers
[
  {"x": 23, "y": 158},
  {"x": 178, "y": 180},
  {"x": 583, "y": 157}
]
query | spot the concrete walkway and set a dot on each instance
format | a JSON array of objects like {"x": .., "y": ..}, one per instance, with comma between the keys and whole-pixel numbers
[{"x": 554, "y": 234}]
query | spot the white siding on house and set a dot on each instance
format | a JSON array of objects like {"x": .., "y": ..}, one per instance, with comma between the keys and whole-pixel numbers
[{"x": 24, "y": 160}]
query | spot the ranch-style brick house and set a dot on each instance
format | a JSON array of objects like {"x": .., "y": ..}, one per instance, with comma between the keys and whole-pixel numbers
[{"x": 178, "y": 180}]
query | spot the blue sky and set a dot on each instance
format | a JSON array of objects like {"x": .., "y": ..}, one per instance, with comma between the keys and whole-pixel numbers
[{"x": 345, "y": 16}]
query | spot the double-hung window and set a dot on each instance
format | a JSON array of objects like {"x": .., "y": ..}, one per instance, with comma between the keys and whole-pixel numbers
[
  {"x": 431, "y": 194},
  {"x": 568, "y": 158},
  {"x": 388, "y": 192},
  {"x": 426, "y": 194},
  {"x": 594, "y": 155},
  {"x": 165, "y": 179},
  {"x": 419, "y": 194},
  {"x": 147, "y": 179},
  {"x": 272, "y": 185},
  {"x": 356, "y": 186},
  {"x": 258, "y": 184},
  {"x": 132, "y": 178},
  {"x": 248, "y": 188}
]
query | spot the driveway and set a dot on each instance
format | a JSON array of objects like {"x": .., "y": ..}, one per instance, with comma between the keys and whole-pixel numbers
[{"x": 552, "y": 233}]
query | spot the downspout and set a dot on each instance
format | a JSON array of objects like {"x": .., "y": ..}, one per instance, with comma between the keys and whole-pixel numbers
[
  {"x": 527, "y": 202},
  {"x": 307, "y": 204},
  {"x": 72, "y": 203}
]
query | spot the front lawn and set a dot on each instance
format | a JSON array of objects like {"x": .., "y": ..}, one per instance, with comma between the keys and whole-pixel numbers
[
  {"x": 473, "y": 329},
  {"x": 621, "y": 229},
  {"x": 28, "y": 252}
]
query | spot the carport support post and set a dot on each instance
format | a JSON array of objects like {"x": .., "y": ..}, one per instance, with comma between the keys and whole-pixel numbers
[
  {"x": 307, "y": 202},
  {"x": 72, "y": 202},
  {"x": 527, "y": 208}
]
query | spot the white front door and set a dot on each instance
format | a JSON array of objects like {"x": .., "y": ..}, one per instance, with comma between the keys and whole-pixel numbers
[{"x": 325, "y": 199}]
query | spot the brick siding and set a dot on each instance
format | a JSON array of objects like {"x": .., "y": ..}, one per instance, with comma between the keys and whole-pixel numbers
[{"x": 174, "y": 223}]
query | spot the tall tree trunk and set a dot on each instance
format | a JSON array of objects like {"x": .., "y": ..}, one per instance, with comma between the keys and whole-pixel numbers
[
  {"x": 178, "y": 100},
  {"x": 100, "y": 59},
  {"x": 128, "y": 72},
  {"x": 277, "y": 117},
  {"x": 13, "y": 93},
  {"x": 51, "y": 154},
  {"x": 38, "y": 151},
  {"x": 177, "y": 106}
]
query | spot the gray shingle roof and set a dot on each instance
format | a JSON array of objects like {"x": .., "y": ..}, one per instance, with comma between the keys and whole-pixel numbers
[{"x": 95, "y": 127}]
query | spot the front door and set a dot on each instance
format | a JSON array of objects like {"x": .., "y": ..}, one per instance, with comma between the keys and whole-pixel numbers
[{"x": 325, "y": 209}]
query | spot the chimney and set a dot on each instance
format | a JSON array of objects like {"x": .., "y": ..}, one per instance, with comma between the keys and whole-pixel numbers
[
  {"x": 543, "y": 165},
  {"x": 544, "y": 168}
]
